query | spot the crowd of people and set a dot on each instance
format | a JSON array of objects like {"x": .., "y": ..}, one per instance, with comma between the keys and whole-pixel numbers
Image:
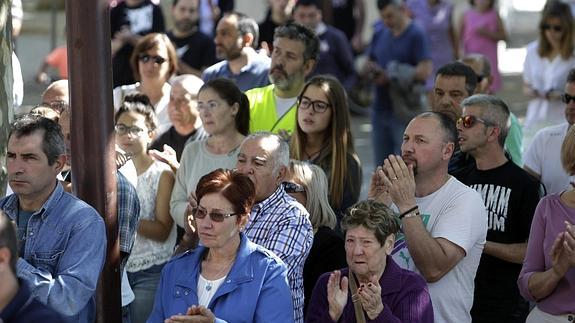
[{"x": 238, "y": 182}]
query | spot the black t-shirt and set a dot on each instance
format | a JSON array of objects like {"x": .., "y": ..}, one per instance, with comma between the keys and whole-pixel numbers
[
  {"x": 267, "y": 29},
  {"x": 342, "y": 11},
  {"x": 142, "y": 19},
  {"x": 197, "y": 50},
  {"x": 173, "y": 139},
  {"x": 510, "y": 195}
]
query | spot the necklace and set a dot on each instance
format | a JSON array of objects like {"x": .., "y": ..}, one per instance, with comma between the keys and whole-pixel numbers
[{"x": 220, "y": 274}]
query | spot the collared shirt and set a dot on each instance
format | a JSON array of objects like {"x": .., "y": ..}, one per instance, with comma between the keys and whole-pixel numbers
[
  {"x": 24, "y": 308},
  {"x": 64, "y": 253},
  {"x": 252, "y": 75},
  {"x": 279, "y": 223},
  {"x": 128, "y": 213}
]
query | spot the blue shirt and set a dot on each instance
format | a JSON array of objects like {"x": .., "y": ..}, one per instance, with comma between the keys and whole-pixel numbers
[
  {"x": 64, "y": 253},
  {"x": 411, "y": 47},
  {"x": 253, "y": 75},
  {"x": 128, "y": 206},
  {"x": 24, "y": 308},
  {"x": 255, "y": 289},
  {"x": 280, "y": 224}
]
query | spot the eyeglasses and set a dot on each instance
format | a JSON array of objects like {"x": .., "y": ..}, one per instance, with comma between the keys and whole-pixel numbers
[
  {"x": 200, "y": 213},
  {"x": 122, "y": 129},
  {"x": 566, "y": 98},
  {"x": 291, "y": 187},
  {"x": 317, "y": 106},
  {"x": 144, "y": 58},
  {"x": 470, "y": 121},
  {"x": 208, "y": 106},
  {"x": 480, "y": 78},
  {"x": 556, "y": 28}
]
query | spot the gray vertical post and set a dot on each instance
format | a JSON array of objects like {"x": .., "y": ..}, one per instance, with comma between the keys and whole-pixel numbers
[{"x": 6, "y": 81}]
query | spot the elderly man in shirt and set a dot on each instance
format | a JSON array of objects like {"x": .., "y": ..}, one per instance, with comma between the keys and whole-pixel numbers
[
  {"x": 62, "y": 239},
  {"x": 277, "y": 222}
]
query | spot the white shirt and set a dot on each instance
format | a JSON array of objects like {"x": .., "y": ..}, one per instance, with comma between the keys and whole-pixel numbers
[
  {"x": 456, "y": 213},
  {"x": 207, "y": 289}
]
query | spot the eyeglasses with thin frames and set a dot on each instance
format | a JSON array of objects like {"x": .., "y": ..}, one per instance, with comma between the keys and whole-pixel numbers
[
  {"x": 470, "y": 121},
  {"x": 122, "y": 129},
  {"x": 317, "y": 105},
  {"x": 144, "y": 58},
  {"x": 201, "y": 213}
]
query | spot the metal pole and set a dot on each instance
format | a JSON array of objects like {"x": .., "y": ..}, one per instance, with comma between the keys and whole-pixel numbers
[{"x": 90, "y": 79}]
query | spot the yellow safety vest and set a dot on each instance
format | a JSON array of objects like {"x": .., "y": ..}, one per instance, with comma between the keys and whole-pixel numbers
[{"x": 263, "y": 114}]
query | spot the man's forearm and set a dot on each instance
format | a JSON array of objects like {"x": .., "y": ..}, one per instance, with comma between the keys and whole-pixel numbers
[{"x": 513, "y": 252}]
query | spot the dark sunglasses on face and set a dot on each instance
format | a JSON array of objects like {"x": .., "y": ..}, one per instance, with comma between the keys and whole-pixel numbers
[
  {"x": 469, "y": 121},
  {"x": 144, "y": 58},
  {"x": 317, "y": 106},
  {"x": 556, "y": 28},
  {"x": 566, "y": 98},
  {"x": 201, "y": 213},
  {"x": 291, "y": 187}
]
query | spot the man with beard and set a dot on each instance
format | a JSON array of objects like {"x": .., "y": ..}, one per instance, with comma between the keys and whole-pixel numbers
[
  {"x": 273, "y": 108},
  {"x": 443, "y": 222},
  {"x": 236, "y": 38},
  {"x": 510, "y": 195},
  {"x": 195, "y": 49}
]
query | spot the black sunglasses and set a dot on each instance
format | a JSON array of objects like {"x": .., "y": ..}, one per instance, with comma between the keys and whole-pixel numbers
[
  {"x": 556, "y": 28},
  {"x": 201, "y": 213},
  {"x": 291, "y": 187},
  {"x": 566, "y": 98},
  {"x": 469, "y": 121},
  {"x": 144, "y": 58}
]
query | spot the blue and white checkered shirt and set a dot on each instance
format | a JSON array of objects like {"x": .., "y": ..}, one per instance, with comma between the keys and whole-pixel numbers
[
  {"x": 128, "y": 206},
  {"x": 280, "y": 224}
]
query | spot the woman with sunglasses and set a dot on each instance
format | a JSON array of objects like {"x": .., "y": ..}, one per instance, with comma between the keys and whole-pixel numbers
[
  {"x": 153, "y": 62},
  {"x": 135, "y": 125},
  {"x": 323, "y": 137},
  {"x": 227, "y": 278},
  {"x": 307, "y": 183},
  {"x": 547, "y": 64},
  {"x": 548, "y": 273},
  {"x": 373, "y": 288},
  {"x": 225, "y": 114}
]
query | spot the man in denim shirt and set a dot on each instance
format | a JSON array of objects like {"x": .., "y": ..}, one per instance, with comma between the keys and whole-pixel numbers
[{"x": 62, "y": 239}]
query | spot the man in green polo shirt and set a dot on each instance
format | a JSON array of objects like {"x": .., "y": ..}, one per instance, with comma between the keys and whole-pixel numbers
[{"x": 273, "y": 107}]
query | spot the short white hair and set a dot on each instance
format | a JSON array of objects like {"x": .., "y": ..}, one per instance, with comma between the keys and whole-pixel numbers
[{"x": 280, "y": 154}]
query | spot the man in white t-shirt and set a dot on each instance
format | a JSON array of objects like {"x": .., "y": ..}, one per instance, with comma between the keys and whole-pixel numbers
[
  {"x": 542, "y": 159},
  {"x": 444, "y": 222}
]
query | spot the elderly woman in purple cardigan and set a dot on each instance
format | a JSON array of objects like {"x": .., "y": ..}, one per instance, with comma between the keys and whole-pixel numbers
[{"x": 373, "y": 288}]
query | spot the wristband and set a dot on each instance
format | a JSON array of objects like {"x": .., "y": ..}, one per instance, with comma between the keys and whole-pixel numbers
[{"x": 409, "y": 213}]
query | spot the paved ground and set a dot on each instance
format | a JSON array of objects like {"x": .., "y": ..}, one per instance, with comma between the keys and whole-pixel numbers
[{"x": 35, "y": 42}]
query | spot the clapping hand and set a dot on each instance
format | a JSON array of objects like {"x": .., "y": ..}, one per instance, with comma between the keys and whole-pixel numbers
[
  {"x": 195, "y": 314},
  {"x": 337, "y": 289},
  {"x": 377, "y": 189},
  {"x": 168, "y": 156},
  {"x": 370, "y": 298},
  {"x": 563, "y": 251},
  {"x": 399, "y": 178}
]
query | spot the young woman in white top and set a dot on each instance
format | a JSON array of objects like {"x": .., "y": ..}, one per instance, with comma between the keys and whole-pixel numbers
[{"x": 156, "y": 235}]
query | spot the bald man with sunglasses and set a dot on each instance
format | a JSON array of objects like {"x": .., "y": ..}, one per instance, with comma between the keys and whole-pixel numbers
[{"x": 510, "y": 195}]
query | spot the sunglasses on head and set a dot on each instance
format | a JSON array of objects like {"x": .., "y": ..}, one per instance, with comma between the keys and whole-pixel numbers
[
  {"x": 201, "y": 213},
  {"x": 566, "y": 98},
  {"x": 469, "y": 121},
  {"x": 291, "y": 187},
  {"x": 556, "y": 28},
  {"x": 144, "y": 58}
]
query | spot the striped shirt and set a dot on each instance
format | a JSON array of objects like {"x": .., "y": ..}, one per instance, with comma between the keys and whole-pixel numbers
[{"x": 280, "y": 224}]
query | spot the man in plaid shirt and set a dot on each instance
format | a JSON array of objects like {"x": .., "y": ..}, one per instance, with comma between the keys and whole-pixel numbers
[{"x": 277, "y": 222}]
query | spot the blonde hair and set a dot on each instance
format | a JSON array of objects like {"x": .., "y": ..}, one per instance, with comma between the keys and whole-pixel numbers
[
  {"x": 314, "y": 181},
  {"x": 568, "y": 152}
]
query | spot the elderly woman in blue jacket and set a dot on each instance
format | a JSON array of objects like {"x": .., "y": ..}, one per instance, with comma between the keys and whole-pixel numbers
[{"x": 227, "y": 278}]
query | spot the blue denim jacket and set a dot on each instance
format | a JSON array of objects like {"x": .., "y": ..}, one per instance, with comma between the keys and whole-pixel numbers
[
  {"x": 64, "y": 253},
  {"x": 255, "y": 290}
]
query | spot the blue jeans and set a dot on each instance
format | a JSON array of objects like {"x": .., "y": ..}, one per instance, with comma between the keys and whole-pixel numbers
[
  {"x": 144, "y": 284},
  {"x": 386, "y": 134}
]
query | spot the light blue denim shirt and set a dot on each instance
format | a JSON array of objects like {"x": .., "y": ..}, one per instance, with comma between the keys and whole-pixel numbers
[{"x": 64, "y": 253}]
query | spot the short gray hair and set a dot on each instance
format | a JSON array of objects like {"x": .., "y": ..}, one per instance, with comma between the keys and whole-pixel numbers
[
  {"x": 494, "y": 110},
  {"x": 280, "y": 154},
  {"x": 189, "y": 82}
]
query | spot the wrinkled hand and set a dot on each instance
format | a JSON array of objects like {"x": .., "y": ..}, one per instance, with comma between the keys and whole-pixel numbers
[
  {"x": 168, "y": 156},
  {"x": 400, "y": 180},
  {"x": 377, "y": 189},
  {"x": 569, "y": 244},
  {"x": 121, "y": 158},
  {"x": 195, "y": 314},
  {"x": 337, "y": 289},
  {"x": 370, "y": 298}
]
